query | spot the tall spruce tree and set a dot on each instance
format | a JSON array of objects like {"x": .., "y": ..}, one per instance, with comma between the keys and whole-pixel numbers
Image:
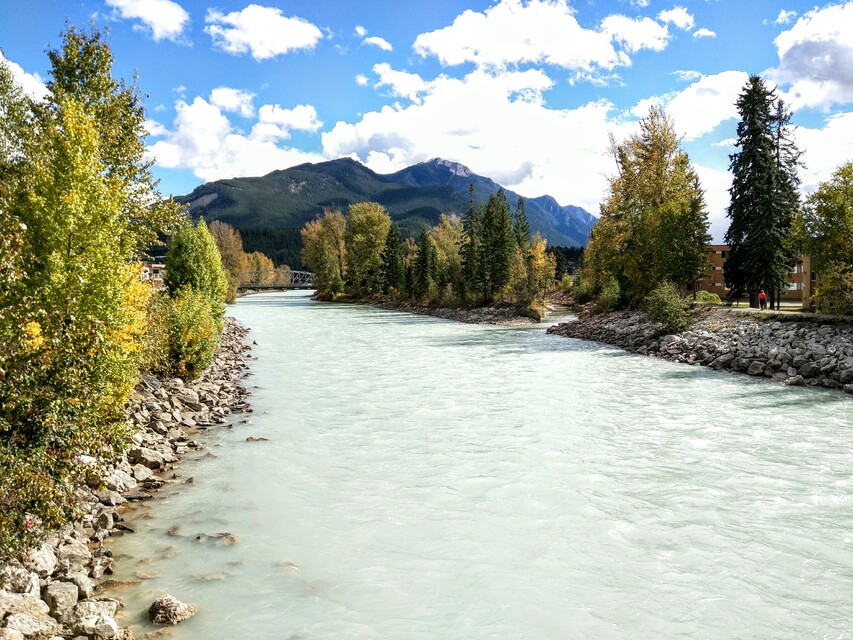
[
  {"x": 471, "y": 271},
  {"x": 763, "y": 195},
  {"x": 425, "y": 266},
  {"x": 393, "y": 261},
  {"x": 521, "y": 226},
  {"x": 496, "y": 245}
]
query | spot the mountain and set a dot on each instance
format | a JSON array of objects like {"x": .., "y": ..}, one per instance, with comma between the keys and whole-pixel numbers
[{"x": 281, "y": 202}]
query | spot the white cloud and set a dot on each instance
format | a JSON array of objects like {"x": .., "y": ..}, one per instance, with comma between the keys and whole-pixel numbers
[
  {"x": 31, "y": 83},
  {"x": 155, "y": 129},
  {"x": 262, "y": 31},
  {"x": 686, "y": 75},
  {"x": 636, "y": 33},
  {"x": 164, "y": 18},
  {"x": 816, "y": 58},
  {"x": 785, "y": 17},
  {"x": 376, "y": 41},
  {"x": 824, "y": 149},
  {"x": 716, "y": 184},
  {"x": 360, "y": 31},
  {"x": 704, "y": 33},
  {"x": 204, "y": 141},
  {"x": 275, "y": 123},
  {"x": 500, "y": 36},
  {"x": 234, "y": 101},
  {"x": 499, "y": 126},
  {"x": 402, "y": 83},
  {"x": 700, "y": 107},
  {"x": 362, "y": 80},
  {"x": 677, "y": 16}
]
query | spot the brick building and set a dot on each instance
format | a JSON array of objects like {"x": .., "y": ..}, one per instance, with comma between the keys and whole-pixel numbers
[{"x": 801, "y": 279}]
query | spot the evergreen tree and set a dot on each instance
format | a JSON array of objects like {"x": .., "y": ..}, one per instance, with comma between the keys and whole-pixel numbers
[
  {"x": 393, "y": 261},
  {"x": 471, "y": 271},
  {"x": 763, "y": 195},
  {"x": 521, "y": 226},
  {"x": 496, "y": 245},
  {"x": 425, "y": 266}
]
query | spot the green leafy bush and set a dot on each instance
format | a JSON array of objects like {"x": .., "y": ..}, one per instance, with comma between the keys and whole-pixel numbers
[
  {"x": 582, "y": 288},
  {"x": 708, "y": 297},
  {"x": 665, "y": 305},
  {"x": 193, "y": 333},
  {"x": 566, "y": 283},
  {"x": 610, "y": 295}
]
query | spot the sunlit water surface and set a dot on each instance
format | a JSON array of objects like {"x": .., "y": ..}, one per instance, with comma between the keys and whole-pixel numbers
[{"x": 425, "y": 479}]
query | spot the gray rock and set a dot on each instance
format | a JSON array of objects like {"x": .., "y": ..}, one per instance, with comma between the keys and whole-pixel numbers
[
  {"x": 17, "y": 579},
  {"x": 98, "y": 627},
  {"x": 147, "y": 457},
  {"x": 756, "y": 368},
  {"x": 41, "y": 560},
  {"x": 97, "y": 607},
  {"x": 85, "y": 585},
  {"x": 169, "y": 610},
  {"x": 33, "y": 624},
  {"x": 21, "y": 603},
  {"x": 73, "y": 552},
  {"x": 795, "y": 381},
  {"x": 61, "y": 598},
  {"x": 11, "y": 634}
]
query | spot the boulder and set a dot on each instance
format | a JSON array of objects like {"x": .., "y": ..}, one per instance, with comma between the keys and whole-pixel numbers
[
  {"x": 147, "y": 457},
  {"x": 17, "y": 579},
  {"x": 73, "y": 552},
  {"x": 33, "y": 624},
  {"x": 21, "y": 603},
  {"x": 61, "y": 598},
  {"x": 84, "y": 584},
  {"x": 41, "y": 560},
  {"x": 756, "y": 368},
  {"x": 98, "y": 627},
  {"x": 11, "y": 634},
  {"x": 169, "y": 610},
  {"x": 97, "y": 607}
]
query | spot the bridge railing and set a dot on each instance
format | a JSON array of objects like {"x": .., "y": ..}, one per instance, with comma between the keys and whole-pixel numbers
[{"x": 276, "y": 279}]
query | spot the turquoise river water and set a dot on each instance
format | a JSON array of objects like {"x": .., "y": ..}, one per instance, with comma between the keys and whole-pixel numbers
[{"x": 428, "y": 480}]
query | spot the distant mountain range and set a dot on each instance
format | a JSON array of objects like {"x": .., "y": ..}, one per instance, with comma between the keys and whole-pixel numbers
[{"x": 414, "y": 197}]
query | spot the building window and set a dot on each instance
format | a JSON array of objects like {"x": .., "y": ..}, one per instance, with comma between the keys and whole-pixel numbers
[
  {"x": 813, "y": 276},
  {"x": 724, "y": 254}
]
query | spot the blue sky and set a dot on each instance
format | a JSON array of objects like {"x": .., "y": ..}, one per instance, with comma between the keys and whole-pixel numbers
[{"x": 523, "y": 91}]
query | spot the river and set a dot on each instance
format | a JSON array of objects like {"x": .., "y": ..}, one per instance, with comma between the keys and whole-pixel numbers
[{"x": 425, "y": 479}]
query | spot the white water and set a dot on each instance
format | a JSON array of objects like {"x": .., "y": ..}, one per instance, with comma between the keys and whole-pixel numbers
[{"x": 432, "y": 480}]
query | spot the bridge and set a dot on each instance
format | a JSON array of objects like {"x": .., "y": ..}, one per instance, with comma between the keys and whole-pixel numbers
[{"x": 276, "y": 279}]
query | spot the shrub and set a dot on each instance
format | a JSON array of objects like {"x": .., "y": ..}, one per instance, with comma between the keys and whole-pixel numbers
[
  {"x": 708, "y": 297},
  {"x": 665, "y": 305},
  {"x": 610, "y": 295},
  {"x": 583, "y": 289},
  {"x": 566, "y": 283},
  {"x": 193, "y": 333}
]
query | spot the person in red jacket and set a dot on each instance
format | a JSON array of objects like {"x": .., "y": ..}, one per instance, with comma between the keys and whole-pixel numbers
[{"x": 762, "y": 299}]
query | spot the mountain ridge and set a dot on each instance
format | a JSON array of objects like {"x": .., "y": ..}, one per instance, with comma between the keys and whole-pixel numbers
[{"x": 415, "y": 196}]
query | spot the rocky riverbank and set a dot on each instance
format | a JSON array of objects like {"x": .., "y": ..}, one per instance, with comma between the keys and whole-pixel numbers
[
  {"x": 502, "y": 315},
  {"x": 789, "y": 349},
  {"x": 52, "y": 591}
]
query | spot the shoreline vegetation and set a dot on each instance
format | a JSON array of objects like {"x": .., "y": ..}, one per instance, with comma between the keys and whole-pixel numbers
[{"x": 59, "y": 587}]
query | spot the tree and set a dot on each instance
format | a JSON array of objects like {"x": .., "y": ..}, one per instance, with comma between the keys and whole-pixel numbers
[
  {"x": 824, "y": 231},
  {"x": 653, "y": 226},
  {"x": 496, "y": 245},
  {"x": 193, "y": 260},
  {"x": 393, "y": 262},
  {"x": 472, "y": 275},
  {"x": 447, "y": 236},
  {"x": 81, "y": 70},
  {"x": 72, "y": 307},
  {"x": 425, "y": 267},
  {"x": 230, "y": 246},
  {"x": 521, "y": 226},
  {"x": 324, "y": 251},
  {"x": 763, "y": 195},
  {"x": 367, "y": 230}
]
